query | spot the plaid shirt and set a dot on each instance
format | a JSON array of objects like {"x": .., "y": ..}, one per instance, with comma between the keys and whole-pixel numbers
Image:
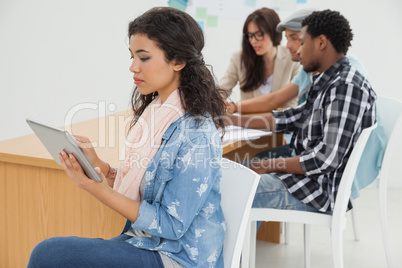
[{"x": 325, "y": 128}]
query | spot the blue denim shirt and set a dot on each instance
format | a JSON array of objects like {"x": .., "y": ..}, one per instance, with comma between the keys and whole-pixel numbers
[{"x": 181, "y": 204}]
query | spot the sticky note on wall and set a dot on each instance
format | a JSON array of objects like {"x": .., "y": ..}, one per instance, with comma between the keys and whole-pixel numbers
[
  {"x": 201, "y": 23},
  {"x": 212, "y": 21},
  {"x": 178, "y": 4},
  {"x": 201, "y": 13},
  {"x": 250, "y": 3}
]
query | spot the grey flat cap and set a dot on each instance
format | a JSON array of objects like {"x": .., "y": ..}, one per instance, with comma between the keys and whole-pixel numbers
[{"x": 294, "y": 21}]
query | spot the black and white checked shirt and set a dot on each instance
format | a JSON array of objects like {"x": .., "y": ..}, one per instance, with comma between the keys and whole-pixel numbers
[{"x": 325, "y": 128}]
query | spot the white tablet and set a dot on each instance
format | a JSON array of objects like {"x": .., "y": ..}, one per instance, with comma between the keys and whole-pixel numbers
[{"x": 57, "y": 140}]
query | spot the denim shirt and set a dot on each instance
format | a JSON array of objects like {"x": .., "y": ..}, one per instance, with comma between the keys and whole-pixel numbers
[{"x": 181, "y": 204}]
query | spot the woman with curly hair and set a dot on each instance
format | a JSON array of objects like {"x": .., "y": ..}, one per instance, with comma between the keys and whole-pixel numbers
[
  {"x": 168, "y": 185},
  {"x": 263, "y": 65}
]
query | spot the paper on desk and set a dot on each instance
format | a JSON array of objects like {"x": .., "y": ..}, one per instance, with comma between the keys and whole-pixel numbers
[{"x": 235, "y": 133}]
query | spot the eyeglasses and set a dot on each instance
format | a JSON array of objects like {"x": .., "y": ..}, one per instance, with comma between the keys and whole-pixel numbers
[{"x": 257, "y": 35}]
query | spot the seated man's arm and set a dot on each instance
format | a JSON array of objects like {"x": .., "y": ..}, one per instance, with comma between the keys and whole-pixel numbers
[
  {"x": 263, "y": 121},
  {"x": 266, "y": 102},
  {"x": 283, "y": 165},
  {"x": 280, "y": 121}
]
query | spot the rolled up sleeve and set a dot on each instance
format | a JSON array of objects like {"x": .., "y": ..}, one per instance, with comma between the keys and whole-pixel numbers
[{"x": 285, "y": 120}]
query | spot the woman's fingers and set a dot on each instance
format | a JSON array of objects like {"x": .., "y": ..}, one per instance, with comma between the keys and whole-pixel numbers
[
  {"x": 64, "y": 159},
  {"x": 81, "y": 139},
  {"x": 86, "y": 146},
  {"x": 98, "y": 170},
  {"x": 74, "y": 170},
  {"x": 70, "y": 165},
  {"x": 83, "y": 142},
  {"x": 75, "y": 165}
]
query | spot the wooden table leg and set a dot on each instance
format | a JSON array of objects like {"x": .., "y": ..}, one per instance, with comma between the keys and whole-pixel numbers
[{"x": 270, "y": 232}]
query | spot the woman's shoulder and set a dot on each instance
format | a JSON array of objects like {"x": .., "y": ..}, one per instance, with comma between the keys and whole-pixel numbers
[
  {"x": 283, "y": 53},
  {"x": 194, "y": 126},
  {"x": 198, "y": 122},
  {"x": 236, "y": 56},
  {"x": 283, "y": 58},
  {"x": 200, "y": 131}
]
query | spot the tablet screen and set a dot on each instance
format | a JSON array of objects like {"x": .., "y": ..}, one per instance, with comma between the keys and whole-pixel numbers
[{"x": 56, "y": 140}]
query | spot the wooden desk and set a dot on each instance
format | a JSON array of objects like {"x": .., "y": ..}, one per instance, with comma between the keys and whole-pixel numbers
[{"x": 38, "y": 200}]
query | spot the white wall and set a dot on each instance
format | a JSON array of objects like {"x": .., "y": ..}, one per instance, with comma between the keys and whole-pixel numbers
[
  {"x": 55, "y": 55},
  {"x": 59, "y": 56},
  {"x": 375, "y": 24}
]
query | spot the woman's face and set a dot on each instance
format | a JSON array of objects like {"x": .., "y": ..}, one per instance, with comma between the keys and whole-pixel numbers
[
  {"x": 151, "y": 70},
  {"x": 262, "y": 46}
]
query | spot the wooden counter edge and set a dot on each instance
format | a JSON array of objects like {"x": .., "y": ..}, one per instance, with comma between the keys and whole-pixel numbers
[
  {"x": 28, "y": 160},
  {"x": 228, "y": 147}
]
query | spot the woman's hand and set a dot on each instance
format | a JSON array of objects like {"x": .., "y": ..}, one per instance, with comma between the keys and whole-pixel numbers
[
  {"x": 86, "y": 146},
  {"x": 74, "y": 170},
  {"x": 100, "y": 190},
  {"x": 231, "y": 107}
]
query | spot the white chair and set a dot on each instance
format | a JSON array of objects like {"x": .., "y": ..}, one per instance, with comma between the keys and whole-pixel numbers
[
  {"x": 238, "y": 187},
  {"x": 390, "y": 111},
  {"x": 336, "y": 222}
]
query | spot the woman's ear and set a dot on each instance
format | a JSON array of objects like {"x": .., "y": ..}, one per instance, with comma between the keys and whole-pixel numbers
[{"x": 177, "y": 66}]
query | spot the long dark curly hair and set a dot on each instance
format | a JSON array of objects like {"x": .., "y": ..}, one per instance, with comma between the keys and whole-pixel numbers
[
  {"x": 180, "y": 37},
  {"x": 331, "y": 24},
  {"x": 266, "y": 20}
]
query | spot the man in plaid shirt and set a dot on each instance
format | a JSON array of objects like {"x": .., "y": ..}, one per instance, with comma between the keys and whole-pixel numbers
[{"x": 339, "y": 105}]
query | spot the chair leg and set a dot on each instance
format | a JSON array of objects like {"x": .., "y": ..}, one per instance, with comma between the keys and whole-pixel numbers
[
  {"x": 355, "y": 219},
  {"x": 253, "y": 243},
  {"x": 249, "y": 246},
  {"x": 307, "y": 250},
  {"x": 286, "y": 230},
  {"x": 245, "y": 256},
  {"x": 383, "y": 218},
  {"x": 337, "y": 245}
]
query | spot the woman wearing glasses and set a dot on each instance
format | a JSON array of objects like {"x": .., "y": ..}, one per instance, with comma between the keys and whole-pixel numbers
[{"x": 263, "y": 65}]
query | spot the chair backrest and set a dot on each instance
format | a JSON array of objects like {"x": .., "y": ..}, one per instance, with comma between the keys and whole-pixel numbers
[
  {"x": 390, "y": 111},
  {"x": 238, "y": 187},
  {"x": 345, "y": 186}
]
